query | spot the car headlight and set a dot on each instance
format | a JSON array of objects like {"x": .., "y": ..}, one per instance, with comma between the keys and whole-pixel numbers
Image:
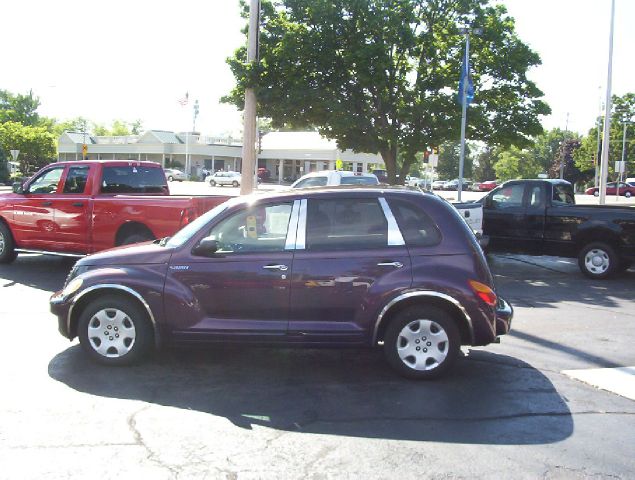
[{"x": 72, "y": 287}]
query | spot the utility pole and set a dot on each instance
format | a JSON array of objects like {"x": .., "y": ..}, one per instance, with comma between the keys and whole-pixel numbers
[
  {"x": 248, "y": 167},
  {"x": 604, "y": 167}
]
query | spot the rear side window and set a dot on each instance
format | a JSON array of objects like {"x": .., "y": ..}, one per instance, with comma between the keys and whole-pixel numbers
[
  {"x": 345, "y": 224},
  {"x": 359, "y": 180},
  {"x": 133, "y": 179},
  {"x": 562, "y": 195},
  {"x": 312, "y": 182},
  {"x": 417, "y": 228}
]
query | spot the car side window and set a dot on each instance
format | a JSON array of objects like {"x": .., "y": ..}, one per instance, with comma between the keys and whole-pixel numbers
[
  {"x": 47, "y": 182},
  {"x": 508, "y": 196},
  {"x": 345, "y": 224},
  {"x": 260, "y": 228},
  {"x": 76, "y": 180},
  {"x": 562, "y": 195},
  {"x": 417, "y": 228},
  {"x": 536, "y": 196},
  {"x": 312, "y": 182}
]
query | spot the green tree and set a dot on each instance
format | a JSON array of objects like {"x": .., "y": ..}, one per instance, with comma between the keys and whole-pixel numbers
[
  {"x": 484, "y": 167},
  {"x": 36, "y": 144},
  {"x": 448, "y": 167},
  {"x": 382, "y": 75},
  {"x": 517, "y": 163},
  {"x": 19, "y": 108},
  {"x": 565, "y": 154},
  {"x": 4, "y": 169},
  {"x": 589, "y": 151}
]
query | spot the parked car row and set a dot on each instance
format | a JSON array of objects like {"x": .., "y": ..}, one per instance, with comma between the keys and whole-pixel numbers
[{"x": 614, "y": 188}]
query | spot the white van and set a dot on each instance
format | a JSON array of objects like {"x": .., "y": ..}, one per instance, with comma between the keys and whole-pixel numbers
[{"x": 335, "y": 177}]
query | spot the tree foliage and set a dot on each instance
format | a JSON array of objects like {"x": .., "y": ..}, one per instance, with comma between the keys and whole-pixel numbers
[
  {"x": 590, "y": 151},
  {"x": 36, "y": 144},
  {"x": 19, "y": 108},
  {"x": 382, "y": 75},
  {"x": 448, "y": 167}
]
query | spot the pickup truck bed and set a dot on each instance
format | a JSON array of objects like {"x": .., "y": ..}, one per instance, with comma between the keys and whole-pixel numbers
[{"x": 79, "y": 208}]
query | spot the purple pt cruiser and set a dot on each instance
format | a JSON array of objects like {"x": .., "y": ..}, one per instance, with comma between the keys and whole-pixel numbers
[{"x": 333, "y": 267}]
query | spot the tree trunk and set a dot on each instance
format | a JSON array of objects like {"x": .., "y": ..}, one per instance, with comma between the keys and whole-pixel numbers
[{"x": 389, "y": 156}]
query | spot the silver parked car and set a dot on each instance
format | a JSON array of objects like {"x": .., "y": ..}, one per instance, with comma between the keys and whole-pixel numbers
[
  {"x": 224, "y": 178},
  {"x": 172, "y": 174}
]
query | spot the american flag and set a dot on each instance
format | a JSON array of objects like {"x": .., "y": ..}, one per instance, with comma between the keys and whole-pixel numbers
[{"x": 183, "y": 101}]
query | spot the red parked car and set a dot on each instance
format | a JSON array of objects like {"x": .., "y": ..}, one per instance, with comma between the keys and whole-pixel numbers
[
  {"x": 487, "y": 186},
  {"x": 332, "y": 267},
  {"x": 625, "y": 189}
]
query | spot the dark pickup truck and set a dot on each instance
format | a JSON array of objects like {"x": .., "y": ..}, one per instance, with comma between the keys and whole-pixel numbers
[{"x": 540, "y": 217}]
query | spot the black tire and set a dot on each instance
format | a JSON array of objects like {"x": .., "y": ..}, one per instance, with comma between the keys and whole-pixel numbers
[
  {"x": 136, "y": 238},
  {"x": 598, "y": 260},
  {"x": 212, "y": 183},
  {"x": 234, "y": 183},
  {"x": 627, "y": 194},
  {"x": 170, "y": 178},
  {"x": 135, "y": 330},
  {"x": 596, "y": 193},
  {"x": 7, "y": 245},
  {"x": 436, "y": 322}
]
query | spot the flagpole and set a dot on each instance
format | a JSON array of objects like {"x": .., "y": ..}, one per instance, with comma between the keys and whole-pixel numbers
[
  {"x": 464, "y": 111},
  {"x": 604, "y": 167}
]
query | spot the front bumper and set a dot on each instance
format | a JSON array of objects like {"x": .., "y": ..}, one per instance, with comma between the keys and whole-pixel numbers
[
  {"x": 504, "y": 315},
  {"x": 60, "y": 306}
]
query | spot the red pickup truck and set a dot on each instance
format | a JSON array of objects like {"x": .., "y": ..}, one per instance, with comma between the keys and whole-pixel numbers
[{"x": 78, "y": 208}]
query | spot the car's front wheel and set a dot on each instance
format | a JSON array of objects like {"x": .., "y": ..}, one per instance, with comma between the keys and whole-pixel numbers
[
  {"x": 596, "y": 193},
  {"x": 422, "y": 342},
  {"x": 627, "y": 194},
  {"x": 212, "y": 183},
  {"x": 598, "y": 260},
  {"x": 170, "y": 178},
  {"x": 234, "y": 183},
  {"x": 115, "y": 330}
]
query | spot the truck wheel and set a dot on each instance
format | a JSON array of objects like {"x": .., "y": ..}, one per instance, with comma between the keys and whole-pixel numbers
[
  {"x": 212, "y": 183},
  {"x": 598, "y": 260},
  {"x": 115, "y": 331},
  {"x": 7, "y": 245},
  {"x": 422, "y": 342}
]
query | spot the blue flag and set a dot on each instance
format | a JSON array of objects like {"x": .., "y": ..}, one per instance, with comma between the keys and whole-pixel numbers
[{"x": 465, "y": 75}]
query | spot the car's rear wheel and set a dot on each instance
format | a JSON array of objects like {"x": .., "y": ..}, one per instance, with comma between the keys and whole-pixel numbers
[
  {"x": 596, "y": 193},
  {"x": 627, "y": 194},
  {"x": 170, "y": 178},
  {"x": 422, "y": 342},
  {"x": 598, "y": 260},
  {"x": 7, "y": 245},
  {"x": 114, "y": 330},
  {"x": 234, "y": 183}
]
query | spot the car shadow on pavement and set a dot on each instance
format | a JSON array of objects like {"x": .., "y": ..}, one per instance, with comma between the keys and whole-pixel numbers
[
  {"x": 43, "y": 272},
  {"x": 546, "y": 282},
  {"x": 488, "y": 399}
]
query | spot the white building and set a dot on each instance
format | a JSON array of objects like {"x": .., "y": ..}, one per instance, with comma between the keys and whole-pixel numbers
[{"x": 285, "y": 154}]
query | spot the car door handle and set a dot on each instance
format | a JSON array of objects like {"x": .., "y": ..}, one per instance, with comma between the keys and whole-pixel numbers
[
  {"x": 282, "y": 268},
  {"x": 390, "y": 264},
  {"x": 78, "y": 204},
  {"x": 47, "y": 204}
]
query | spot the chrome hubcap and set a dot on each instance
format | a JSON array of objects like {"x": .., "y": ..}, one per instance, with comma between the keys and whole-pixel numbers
[
  {"x": 596, "y": 261},
  {"x": 111, "y": 333},
  {"x": 422, "y": 345},
  {"x": 1, "y": 243}
]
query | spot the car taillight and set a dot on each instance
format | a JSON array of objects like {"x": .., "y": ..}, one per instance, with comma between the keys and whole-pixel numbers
[
  {"x": 187, "y": 215},
  {"x": 483, "y": 292}
]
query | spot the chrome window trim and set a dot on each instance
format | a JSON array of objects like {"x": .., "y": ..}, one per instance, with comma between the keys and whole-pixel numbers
[
  {"x": 103, "y": 286},
  {"x": 292, "y": 232},
  {"x": 394, "y": 234},
  {"x": 300, "y": 241},
  {"x": 423, "y": 293}
]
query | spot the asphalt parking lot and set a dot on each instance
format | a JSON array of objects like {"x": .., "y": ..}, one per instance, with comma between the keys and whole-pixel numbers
[{"x": 508, "y": 411}]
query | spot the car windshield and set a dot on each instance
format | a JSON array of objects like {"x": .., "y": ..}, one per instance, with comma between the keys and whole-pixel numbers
[{"x": 183, "y": 235}]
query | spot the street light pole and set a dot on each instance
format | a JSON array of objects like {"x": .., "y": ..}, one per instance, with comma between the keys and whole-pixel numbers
[{"x": 604, "y": 168}]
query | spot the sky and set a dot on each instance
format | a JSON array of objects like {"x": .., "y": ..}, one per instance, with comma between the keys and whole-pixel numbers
[{"x": 134, "y": 60}]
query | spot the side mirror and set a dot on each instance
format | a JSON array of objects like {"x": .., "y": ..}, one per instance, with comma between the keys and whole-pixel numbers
[
  {"x": 18, "y": 187},
  {"x": 206, "y": 248}
]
